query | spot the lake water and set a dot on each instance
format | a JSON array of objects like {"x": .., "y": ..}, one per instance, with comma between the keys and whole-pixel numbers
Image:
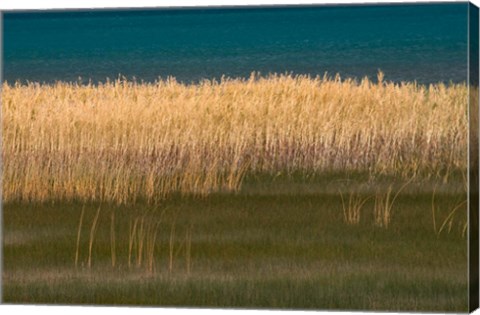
[{"x": 426, "y": 43}]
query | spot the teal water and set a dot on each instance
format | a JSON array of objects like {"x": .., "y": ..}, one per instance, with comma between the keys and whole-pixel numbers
[{"x": 426, "y": 43}]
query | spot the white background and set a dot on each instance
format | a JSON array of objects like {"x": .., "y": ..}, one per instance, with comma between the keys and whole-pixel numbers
[{"x": 72, "y": 4}]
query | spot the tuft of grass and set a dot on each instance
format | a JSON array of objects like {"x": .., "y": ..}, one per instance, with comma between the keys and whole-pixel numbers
[
  {"x": 352, "y": 211},
  {"x": 383, "y": 208},
  {"x": 77, "y": 248},
  {"x": 448, "y": 220},
  {"x": 93, "y": 229},
  {"x": 131, "y": 240}
]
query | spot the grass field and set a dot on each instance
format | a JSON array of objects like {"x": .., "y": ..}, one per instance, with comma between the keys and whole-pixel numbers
[
  {"x": 246, "y": 250},
  {"x": 277, "y": 192}
]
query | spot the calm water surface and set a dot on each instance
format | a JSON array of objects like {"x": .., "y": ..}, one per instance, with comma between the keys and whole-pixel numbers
[{"x": 426, "y": 43}]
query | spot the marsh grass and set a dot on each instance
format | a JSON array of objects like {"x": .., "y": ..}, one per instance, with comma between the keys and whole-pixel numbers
[
  {"x": 141, "y": 248},
  {"x": 352, "y": 211},
  {"x": 124, "y": 141},
  {"x": 79, "y": 232},
  {"x": 142, "y": 241},
  {"x": 448, "y": 220},
  {"x": 245, "y": 250},
  {"x": 93, "y": 229},
  {"x": 384, "y": 202},
  {"x": 268, "y": 157}
]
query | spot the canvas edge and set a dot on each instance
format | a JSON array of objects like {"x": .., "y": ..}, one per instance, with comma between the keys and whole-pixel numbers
[
  {"x": 1, "y": 161},
  {"x": 473, "y": 174},
  {"x": 473, "y": 162}
]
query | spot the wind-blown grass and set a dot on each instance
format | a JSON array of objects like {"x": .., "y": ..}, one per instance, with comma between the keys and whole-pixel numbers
[{"x": 123, "y": 141}]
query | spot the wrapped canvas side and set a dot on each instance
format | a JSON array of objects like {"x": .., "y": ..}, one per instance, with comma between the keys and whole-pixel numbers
[{"x": 474, "y": 159}]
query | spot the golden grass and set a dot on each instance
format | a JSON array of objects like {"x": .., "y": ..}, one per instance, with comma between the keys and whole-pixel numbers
[
  {"x": 353, "y": 210},
  {"x": 123, "y": 141},
  {"x": 383, "y": 209},
  {"x": 93, "y": 230},
  {"x": 449, "y": 219}
]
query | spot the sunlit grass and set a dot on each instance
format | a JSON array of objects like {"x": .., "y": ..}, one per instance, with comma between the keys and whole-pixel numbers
[{"x": 124, "y": 141}]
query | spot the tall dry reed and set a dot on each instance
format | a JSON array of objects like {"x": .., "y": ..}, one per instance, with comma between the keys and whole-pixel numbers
[{"x": 121, "y": 141}]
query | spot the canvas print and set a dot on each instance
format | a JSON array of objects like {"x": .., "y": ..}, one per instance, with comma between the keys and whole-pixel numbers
[{"x": 284, "y": 157}]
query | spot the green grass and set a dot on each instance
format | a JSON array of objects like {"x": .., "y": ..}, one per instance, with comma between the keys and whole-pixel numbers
[{"x": 279, "y": 243}]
